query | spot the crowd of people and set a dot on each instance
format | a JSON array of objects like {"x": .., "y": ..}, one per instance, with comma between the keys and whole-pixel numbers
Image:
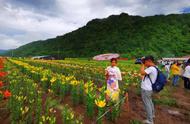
[
  {"x": 149, "y": 71},
  {"x": 175, "y": 70}
]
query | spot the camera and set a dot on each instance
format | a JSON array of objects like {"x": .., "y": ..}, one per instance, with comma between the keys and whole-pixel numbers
[
  {"x": 143, "y": 59},
  {"x": 139, "y": 60}
]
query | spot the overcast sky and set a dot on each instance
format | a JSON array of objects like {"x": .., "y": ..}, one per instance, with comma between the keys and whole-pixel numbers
[{"x": 24, "y": 21}]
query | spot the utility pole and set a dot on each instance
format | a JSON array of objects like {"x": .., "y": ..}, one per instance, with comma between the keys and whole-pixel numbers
[
  {"x": 12, "y": 53},
  {"x": 58, "y": 53}
]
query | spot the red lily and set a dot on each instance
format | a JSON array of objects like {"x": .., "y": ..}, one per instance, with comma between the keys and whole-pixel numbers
[
  {"x": 1, "y": 84},
  {"x": 2, "y": 74},
  {"x": 7, "y": 94},
  {"x": 1, "y": 67}
]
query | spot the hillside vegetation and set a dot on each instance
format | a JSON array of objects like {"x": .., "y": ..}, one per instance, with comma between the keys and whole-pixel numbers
[{"x": 131, "y": 36}]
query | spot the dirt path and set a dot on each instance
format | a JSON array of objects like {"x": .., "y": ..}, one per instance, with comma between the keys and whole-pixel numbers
[
  {"x": 183, "y": 97},
  {"x": 164, "y": 114}
]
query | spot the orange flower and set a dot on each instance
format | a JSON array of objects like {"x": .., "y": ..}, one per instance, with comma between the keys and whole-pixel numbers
[
  {"x": 7, "y": 94},
  {"x": 1, "y": 84}
]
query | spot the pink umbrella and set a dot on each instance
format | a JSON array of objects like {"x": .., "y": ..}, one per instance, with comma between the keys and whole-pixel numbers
[{"x": 107, "y": 56}]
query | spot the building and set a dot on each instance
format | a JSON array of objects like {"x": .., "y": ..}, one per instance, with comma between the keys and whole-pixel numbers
[{"x": 45, "y": 57}]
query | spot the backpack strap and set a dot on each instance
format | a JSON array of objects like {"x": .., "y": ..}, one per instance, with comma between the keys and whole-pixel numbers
[
  {"x": 150, "y": 78},
  {"x": 158, "y": 72},
  {"x": 149, "y": 75}
]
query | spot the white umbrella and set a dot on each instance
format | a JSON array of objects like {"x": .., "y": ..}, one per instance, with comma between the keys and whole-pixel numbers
[{"x": 107, "y": 56}]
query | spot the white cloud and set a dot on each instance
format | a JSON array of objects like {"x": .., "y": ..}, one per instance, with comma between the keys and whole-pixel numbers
[
  {"x": 25, "y": 23},
  {"x": 34, "y": 25},
  {"x": 8, "y": 43}
]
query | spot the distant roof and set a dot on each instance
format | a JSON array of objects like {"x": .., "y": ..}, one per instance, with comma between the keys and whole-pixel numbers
[
  {"x": 175, "y": 59},
  {"x": 35, "y": 57}
]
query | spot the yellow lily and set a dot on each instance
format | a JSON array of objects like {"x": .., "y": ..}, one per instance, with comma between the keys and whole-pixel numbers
[
  {"x": 74, "y": 82},
  {"x": 108, "y": 92},
  {"x": 44, "y": 79},
  {"x": 100, "y": 103},
  {"x": 53, "y": 80},
  {"x": 115, "y": 96}
]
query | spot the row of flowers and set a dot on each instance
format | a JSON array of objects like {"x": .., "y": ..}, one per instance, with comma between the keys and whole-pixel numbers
[
  {"x": 4, "y": 92},
  {"x": 79, "y": 71},
  {"x": 27, "y": 104},
  {"x": 86, "y": 70},
  {"x": 80, "y": 91}
]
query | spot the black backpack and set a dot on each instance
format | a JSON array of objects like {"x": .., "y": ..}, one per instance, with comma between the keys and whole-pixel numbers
[{"x": 160, "y": 82}]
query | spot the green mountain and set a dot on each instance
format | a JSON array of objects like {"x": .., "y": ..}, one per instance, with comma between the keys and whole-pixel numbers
[
  {"x": 159, "y": 35},
  {"x": 2, "y": 52}
]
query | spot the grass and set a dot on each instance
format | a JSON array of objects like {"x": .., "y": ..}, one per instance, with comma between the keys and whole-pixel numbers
[
  {"x": 162, "y": 98},
  {"x": 166, "y": 92},
  {"x": 165, "y": 97},
  {"x": 165, "y": 101},
  {"x": 135, "y": 122}
]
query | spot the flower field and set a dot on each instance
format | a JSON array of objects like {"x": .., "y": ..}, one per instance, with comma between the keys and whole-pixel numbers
[
  {"x": 70, "y": 91},
  {"x": 37, "y": 90}
]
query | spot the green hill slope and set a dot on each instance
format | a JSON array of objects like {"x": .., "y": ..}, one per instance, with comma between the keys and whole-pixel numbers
[
  {"x": 131, "y": 35},
  {"x": 2, "y": 52}
]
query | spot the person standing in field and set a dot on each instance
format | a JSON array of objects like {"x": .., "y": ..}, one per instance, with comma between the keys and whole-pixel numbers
[
  {"x": 186, "y": 75},
  {"x": 149, "y": 73},
  {"x": 113, "y": 75},
  {"x": 167, "y": 70},
  {"x": 175, "y": 69}
]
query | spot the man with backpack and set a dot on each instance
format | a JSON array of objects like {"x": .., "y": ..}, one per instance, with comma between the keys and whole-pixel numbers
[{"x": 149, "y": 72}]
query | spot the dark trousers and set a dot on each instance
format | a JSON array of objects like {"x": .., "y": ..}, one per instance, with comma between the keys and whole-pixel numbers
[{"x": 186, "y": 83}]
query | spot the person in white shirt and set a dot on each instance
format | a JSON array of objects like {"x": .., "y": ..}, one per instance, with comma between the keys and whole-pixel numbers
[
  {"x": 149, "y": 71},
  {"x": 186, "y": 75},
  {"x": 167, "y": 69},
  {"x": 113, "y": 75}
]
